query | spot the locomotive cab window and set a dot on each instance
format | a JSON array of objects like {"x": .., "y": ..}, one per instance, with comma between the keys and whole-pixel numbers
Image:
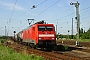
[
  {"x": 49, "y": 28},
  {"x": 42, "y": 28}
]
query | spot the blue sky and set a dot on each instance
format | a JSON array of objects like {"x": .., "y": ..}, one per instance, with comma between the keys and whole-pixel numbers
[{"x": 14, "y": 13}]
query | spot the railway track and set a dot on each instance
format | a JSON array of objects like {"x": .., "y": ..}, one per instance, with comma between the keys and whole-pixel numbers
[{"x": 48, "y": 55}]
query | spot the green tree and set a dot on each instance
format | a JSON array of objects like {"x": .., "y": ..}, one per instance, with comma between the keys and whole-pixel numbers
[{"x": 85, "y": 35}]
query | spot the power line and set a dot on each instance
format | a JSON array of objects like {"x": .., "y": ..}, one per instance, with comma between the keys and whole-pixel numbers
[
  {"x": 85, "y": 17},
  {"x": 34, "y": 6},
  {"x": 11, "y": 17},
  {"x": 72, "y": 13},
  {"x": 69, "y": 9},
  {"x": 66, "y": 16},
  {"x": 41, "y": 3},
  {"x": 13, "y": 11},
  {"x": 61, "y": 12},
  {"x": 85, "y": 8},
  {"x": 47, "y": 8},
  {"x": 51, "y": 6}
]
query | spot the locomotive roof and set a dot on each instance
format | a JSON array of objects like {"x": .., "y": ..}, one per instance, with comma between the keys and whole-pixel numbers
[{"x": 35, "y": 24}]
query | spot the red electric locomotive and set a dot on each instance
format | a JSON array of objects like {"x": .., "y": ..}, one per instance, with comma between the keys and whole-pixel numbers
[{"x": 39, "y": 35}]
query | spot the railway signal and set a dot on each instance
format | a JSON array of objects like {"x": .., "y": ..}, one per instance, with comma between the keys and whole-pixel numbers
[
  {"x": 77, "y": 19},
  {"x": 14, "y": 34}
]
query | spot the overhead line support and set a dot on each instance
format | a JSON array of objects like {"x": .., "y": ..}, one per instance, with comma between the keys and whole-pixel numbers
[{"x": 77, "y": 19}]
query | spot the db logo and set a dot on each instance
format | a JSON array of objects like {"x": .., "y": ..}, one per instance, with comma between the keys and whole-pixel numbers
[{"x": 46, "y": 32}]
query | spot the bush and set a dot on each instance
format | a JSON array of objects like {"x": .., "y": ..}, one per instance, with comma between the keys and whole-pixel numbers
[
  {"x": 4, "y": 37},
  {"x": 2, "y": 40}
]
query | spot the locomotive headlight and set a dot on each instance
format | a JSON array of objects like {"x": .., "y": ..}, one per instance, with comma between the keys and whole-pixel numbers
[
  {"x": 40, "y": 38},
  {"x": 52, "y": 38}
]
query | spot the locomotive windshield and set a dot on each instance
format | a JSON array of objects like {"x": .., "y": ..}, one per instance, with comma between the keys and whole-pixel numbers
[{"x": 42, "y": 28}]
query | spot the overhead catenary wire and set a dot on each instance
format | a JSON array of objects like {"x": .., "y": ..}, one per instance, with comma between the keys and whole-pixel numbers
[
  {"x": 47, "y": 8},
  {"x": 38, "y": 5},
  {"x": 12, "y": 11},
  {"x": 85, "y": 8},
  {"x": 69, "y": 9},
  {"x": 11, "y": 17},
  {"x": 72, "y": 13},
  {"x": 66, "y": 16},
  {"x": 85, "y": 17},
  {"x": 41, "y": 3},
  {"x": 32, "y": 8},
  {"x": 61, "y": 12}
]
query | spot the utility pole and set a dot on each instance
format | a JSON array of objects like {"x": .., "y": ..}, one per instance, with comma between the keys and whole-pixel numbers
[
  {"x": 56, "y": 27},
  {"x": 72, "y": 28},
  {"x": 5, "y": 30},
  {"x": 77, "y": 19}
]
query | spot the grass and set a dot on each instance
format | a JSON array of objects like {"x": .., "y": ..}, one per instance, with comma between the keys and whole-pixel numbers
[
  {"x": 80, "y": 40},
  {"x": 84, "y": 40},
  {"x": 7, "y": 53}
]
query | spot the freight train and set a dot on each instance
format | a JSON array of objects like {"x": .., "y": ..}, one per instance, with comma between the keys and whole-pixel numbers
[{"x": 38, "y": 35}]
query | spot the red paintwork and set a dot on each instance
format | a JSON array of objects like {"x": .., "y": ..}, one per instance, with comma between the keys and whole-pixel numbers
[{"x": 32, "y": 33}]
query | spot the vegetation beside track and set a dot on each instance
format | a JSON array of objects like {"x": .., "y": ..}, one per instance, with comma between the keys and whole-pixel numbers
[
  {"x": 7, "y": 53},
  {"x": 84, "y": 40},
  {"x": 61, "y": 48},
  {"x": 80, "y": 40},
  {"x": 83, "y": 35}
]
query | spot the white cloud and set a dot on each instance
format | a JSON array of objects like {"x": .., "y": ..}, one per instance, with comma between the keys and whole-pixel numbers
[{"x": 11, "y": 6}]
